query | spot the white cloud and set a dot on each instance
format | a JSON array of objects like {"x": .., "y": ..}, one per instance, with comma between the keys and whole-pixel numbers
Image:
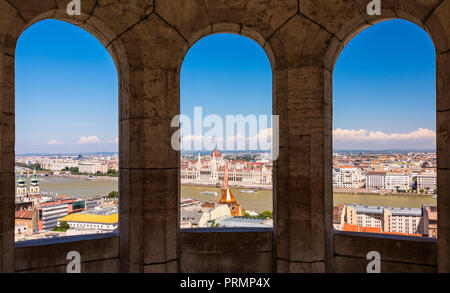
[
  {"x": 364, "y": 139},
  {"x": 261, "y": 140},
  {"x": 89, "y": 140},
  {"x": 116, "y": 140},
  {"x": 54, "y": 142}
]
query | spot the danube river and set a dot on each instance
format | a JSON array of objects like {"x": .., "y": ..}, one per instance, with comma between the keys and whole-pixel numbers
[
  {"x": 262, "y": 200},
  {"x": 396, "y": 201},
  {"x": 78, "y": 187},
  {"x": 259, "y": 201}
]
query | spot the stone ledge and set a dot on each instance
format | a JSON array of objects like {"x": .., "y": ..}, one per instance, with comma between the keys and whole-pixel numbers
[
  {"x": 392, "y": 248},
  {"x": 67, "y": 239},
  {"x": 225, "y": 230},
  {"x": 386, "y": 236}
]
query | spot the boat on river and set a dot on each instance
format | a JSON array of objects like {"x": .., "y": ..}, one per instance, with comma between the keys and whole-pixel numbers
[
  {"x": 209, "y": 193},
  {"x": 247, "y": 191}
]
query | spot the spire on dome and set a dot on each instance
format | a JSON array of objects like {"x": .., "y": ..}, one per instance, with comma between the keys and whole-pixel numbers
[
  {"x": 216, "y": 153},
  {"x": 227, "y": 195},
  {"x": 199, "y": 162},
  {"x": 21, "y": 180},
  {"x": 34, "y": 179},
  {"x": 225, "y": 177}
]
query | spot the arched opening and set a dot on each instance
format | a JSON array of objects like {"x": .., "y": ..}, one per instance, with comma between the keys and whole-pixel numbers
[
  {"x": 226, "y": 146},
  {"x": 66, "y": 107},
  {"x": 384, "y": 132}
]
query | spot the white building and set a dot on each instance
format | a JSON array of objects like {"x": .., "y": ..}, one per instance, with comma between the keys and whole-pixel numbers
[
  {"x": 427, "y": 181},
  {"x": 93, "y": 167},
  {"x": 398, "y": 182},
  {"x": 348, "y": 177},
  {"x": 393, "y": 220},
  {"x": 99, "y": 223},
  {"x": 58, "y": 165},
  {"x": 376, "y": 180},
  {"x": 364, "y": 216},
  {"x": 209, "y": 170}
]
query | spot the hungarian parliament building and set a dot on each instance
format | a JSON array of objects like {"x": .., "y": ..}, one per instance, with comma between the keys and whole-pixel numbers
[{"x": 209, "y": 170}]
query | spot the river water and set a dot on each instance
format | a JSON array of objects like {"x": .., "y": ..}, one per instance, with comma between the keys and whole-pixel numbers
[
  {"x": 395, "y": 201},
  {"x": 258, "y": 202},
  {"x": 79, "y": 188}
]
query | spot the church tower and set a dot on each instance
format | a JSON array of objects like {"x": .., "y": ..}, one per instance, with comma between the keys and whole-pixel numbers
[
  {"x": 34, "y": 187},
  {"x": 198, "y": 166},
  {"x": 228, "y": 198},
  {"x": 21, "y": 186}
]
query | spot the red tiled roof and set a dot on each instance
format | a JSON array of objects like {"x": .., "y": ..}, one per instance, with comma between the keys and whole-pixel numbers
[
  {"x": 355, "y": 228},
  {"x": 24, "y": 214}
]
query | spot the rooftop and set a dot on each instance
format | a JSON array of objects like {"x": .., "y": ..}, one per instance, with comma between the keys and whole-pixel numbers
[
  {"x": 85, "y": 218},
  {"x": 246, "y": 222}
]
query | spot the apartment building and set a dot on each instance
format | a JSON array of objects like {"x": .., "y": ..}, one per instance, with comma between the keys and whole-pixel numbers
[
  {"x": 430, "y": 221},
  {"x": 427, "y": 181},
  {"x": 376, "y": 180},
  {"x": 390, "y": 181},
  {"x": 403, "y": 220},
  {"x": 93, "y": 168},
  {"x": 58, "y": 165},
  {"x": 48, "y": 213},
  {"x": 365, "y": 216},
  {"x": 24, "y": 221},
  {"x": 398, "y": 181},
  {"x": 387, "y": 219},
  {"x": 348, "y": 177}
]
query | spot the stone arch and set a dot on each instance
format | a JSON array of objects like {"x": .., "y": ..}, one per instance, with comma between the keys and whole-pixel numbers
[
  {"x": 231, "y": 28},
  {"x": 431, "y": 16},
  {"x": 188, "y": 251},
  {"x": 22, "y": 17},
  {"x": 149, "y": 38}
]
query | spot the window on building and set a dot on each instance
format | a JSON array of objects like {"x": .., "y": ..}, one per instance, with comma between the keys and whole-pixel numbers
[
  {"x": 384, "y": 130},
  {"x": 226, "y": 148},
  {"x": 66, "y": 131}
]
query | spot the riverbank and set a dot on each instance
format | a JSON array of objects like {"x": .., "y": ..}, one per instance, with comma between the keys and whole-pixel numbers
[
  {"x": 256, "y": 187},
  {"x": 259, "y": 201},
  {"x": 384, "y": 200},
  {"x": 380, "y": 192},
  {"x": 92, "y": 177}
]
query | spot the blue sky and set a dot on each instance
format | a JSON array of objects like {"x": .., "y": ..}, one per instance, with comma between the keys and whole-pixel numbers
[
  {"x": 226, "y": 74},
  {"x": 67, "y": 100},
  {"x": 66, "y": 89},
  {"x": 384, "y": 83}
]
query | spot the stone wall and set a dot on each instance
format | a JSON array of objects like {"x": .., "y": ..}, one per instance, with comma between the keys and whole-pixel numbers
[{"x": 148, "y": 40}]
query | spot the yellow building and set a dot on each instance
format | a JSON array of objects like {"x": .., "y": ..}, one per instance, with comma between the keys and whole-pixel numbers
[{"x": 101, "y": 223}]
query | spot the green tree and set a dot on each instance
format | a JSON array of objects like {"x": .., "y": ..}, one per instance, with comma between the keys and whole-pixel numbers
[
  {"x": 113, "y": 194},
  {"x": 247, "y": 215},
  {"x": 63, "y": 227},
  {"x": 112, "y": 172},
  {"x": 266, "y": 215},
  {"x": 214, "y": 224}
]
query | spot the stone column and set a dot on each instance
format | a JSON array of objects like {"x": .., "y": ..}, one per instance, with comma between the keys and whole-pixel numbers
[{"x": 149, "y": 166}]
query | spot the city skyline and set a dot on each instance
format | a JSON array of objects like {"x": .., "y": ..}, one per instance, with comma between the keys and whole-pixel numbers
[{"x": 225, "y": 74}]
